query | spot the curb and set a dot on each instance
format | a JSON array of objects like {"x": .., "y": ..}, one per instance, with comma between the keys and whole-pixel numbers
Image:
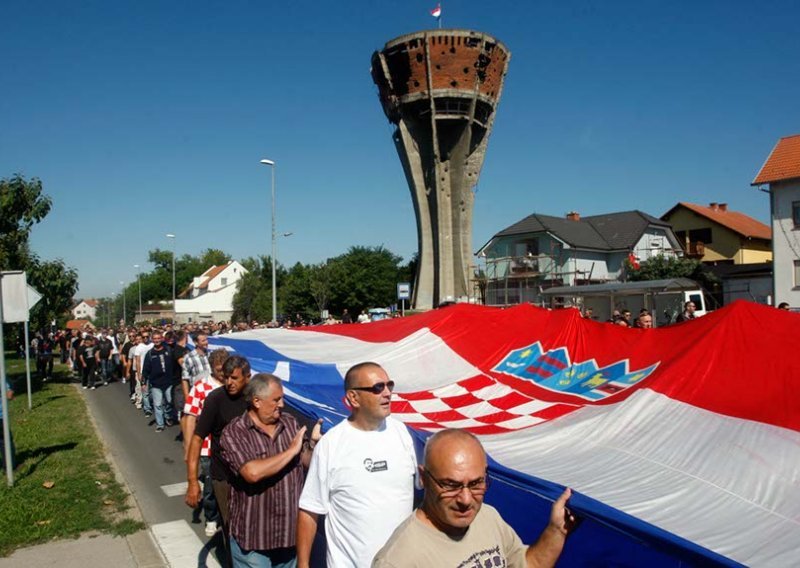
[{"x": 144, "y": 550}]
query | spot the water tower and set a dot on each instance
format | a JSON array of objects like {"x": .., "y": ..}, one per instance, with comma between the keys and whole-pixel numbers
[{"x": 441, "y": 89}]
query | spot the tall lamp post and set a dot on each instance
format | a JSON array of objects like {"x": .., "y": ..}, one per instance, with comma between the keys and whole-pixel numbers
[
  {"x": 139, "y": 278},
  {"x": 124, "y": 316},
  {"x": 271, "y": 164},
  {"x": 172, "y": 237}
]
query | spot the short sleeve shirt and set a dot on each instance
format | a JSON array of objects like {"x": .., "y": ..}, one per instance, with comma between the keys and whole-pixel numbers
[
  {"x": 489, "y": 541},
  {"x": 194, "y": 405},
  {"x": 218, "y": 410}
]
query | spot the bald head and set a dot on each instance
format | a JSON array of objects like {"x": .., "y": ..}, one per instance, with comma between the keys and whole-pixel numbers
[{"x": 453, "y": 447}]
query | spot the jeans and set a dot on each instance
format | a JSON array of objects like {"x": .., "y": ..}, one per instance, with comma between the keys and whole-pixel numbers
[
  {"x": 162, "y": 402},
  {"x": 208, "y": 500},
  {"x": 87, "y": 375},
  {"x": 277, "y": 558},
  {"x": 147, "y": 402},
  {"x": 105, "y": 369}
]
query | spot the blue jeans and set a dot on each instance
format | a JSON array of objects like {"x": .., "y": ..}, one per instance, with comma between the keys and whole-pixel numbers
[
  {"x": 162, "y": 403},
  {"x": 105, "y": 369},
  {"x": 278, "y": 558},
  {"x": 209, "y": 500}
]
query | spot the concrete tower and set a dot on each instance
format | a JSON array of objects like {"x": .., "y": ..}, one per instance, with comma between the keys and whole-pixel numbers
[{"x": 441, "y": 88}]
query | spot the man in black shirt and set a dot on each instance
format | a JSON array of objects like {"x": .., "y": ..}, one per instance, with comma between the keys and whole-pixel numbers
[
  {"x": 104, "y": 348},
  {"x": 220, "y": 407},
  {"x": 87, "y": 356},
  {"x": 179, "y": 351},
  {"x": 44, "y": 361}
]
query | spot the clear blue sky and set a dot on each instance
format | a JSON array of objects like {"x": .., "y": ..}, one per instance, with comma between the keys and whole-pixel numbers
[{"x": 149, "y": 117}]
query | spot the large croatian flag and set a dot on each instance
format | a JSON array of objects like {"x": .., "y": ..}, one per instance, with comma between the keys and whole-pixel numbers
[{"x": 681, "y": 444}]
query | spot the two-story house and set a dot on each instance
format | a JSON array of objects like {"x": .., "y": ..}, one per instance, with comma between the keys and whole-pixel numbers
[
  {"x": 210, "y": 296},
  {"x": 85, "y": 309},
  {"x": 781, "y": 176},
  {"x": 715, "y": 234},
  {"x": 542, "y": 251}
]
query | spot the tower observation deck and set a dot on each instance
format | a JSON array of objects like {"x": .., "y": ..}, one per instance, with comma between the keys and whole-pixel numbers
[{"x": 441, "y": 89}]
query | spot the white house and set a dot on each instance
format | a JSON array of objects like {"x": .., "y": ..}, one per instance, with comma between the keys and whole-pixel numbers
[
  {"x": 542, "y": 251},
  {"x": 86, "y": 309},
  {"x": 781, "y": 174},
  {"x": 210, "y": 295}
]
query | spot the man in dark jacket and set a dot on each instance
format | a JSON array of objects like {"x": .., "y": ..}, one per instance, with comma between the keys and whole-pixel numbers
[{"x": 157, "y": 373}]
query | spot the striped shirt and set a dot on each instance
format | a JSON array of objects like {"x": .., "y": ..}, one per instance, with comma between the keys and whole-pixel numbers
[
  {"x": 195, "y": 367},
  {"x": 194, "y": 405},
  {"x": 263, "y": 515}
]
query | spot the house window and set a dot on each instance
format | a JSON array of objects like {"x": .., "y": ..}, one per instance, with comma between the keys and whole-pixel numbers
[
  {"x": 796, "y": 214},
  {"x": 700, "y": 235},
  {"x": 797, "y": 273},
  {"x": 223, "y": 281}
]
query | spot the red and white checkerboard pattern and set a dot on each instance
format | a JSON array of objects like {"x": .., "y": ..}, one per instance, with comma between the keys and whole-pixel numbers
[
  {"x": 194, "y": 405},
  {"x": 480, "y": 404}
]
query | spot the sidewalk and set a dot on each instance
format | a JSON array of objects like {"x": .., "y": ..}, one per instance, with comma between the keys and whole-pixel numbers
[{"x": 91, "y": 551}]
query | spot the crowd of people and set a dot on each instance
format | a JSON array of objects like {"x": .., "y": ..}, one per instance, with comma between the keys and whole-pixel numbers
[{"x": 262, "y": 476}]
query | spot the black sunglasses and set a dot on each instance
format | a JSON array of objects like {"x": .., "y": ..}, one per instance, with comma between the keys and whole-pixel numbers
[{"x": 377, "y": 388}]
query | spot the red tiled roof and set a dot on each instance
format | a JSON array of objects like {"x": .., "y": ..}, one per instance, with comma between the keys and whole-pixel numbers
[
  {"x": 78, "y": 324},
  {"x": 782, "y": 163},
  {"x": 733, "y": 220},
  {"x": 211, "y": 273},
  {"x": 91, "y": 303}
]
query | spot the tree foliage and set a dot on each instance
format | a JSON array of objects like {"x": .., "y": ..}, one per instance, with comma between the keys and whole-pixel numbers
[
  {"x": 661, "y": 267},
  {"x": 23, "y": 204}
]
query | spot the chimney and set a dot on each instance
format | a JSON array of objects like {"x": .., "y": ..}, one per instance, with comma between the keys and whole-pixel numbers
[
  {"x": 713, "y": 205},
  {"x": 723, "y": 206},
  {"x": 574, "y": 216}
]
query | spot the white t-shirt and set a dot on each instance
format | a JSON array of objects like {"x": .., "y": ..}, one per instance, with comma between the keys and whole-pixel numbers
[
  {"x": 138, "y": 353},
  {"x": 364, "y": 483}
]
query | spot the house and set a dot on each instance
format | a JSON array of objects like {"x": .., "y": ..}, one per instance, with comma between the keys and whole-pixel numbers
[
  {"x": 154, "y": 312},
  {"x": 210, "y": 296},
  {"x": 781, "y": 174},
  {"x": 85, "y": 309},
  {"x": 542, "y": 251},
  {"x": 715, "y": 234}
]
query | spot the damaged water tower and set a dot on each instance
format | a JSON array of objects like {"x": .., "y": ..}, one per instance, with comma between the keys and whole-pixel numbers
[{"x": 441, "y": 89}]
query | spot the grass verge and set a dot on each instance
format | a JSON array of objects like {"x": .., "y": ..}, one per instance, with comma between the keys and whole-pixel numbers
[{"x": 56, "y": 444}]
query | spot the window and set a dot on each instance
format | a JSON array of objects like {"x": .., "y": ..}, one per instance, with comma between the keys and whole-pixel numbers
[
  {"x": 700, "y": 235},
  {"x": 796, "y": 214},
  {"x": 797, "y": 273},
  {"x": 223, "y": 281}
]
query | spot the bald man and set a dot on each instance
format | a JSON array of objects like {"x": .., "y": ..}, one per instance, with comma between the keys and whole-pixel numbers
[
  {"x": 361, "y": 476},
  {"x": 454, "y": 528}
]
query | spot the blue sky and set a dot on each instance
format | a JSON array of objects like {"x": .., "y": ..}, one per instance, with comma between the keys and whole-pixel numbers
[{"x": 148, "y": 117}]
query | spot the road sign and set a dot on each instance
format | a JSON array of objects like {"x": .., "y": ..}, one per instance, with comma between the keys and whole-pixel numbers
[{"x": 403, "y": 291}]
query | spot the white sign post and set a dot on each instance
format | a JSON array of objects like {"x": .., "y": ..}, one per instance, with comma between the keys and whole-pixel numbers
[
  {"x": 16, "y": 299},
  {"x": 403, "y": 294}
]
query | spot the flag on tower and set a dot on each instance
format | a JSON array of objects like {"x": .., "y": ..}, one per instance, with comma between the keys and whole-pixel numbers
[{"x": 437, "y": 12}]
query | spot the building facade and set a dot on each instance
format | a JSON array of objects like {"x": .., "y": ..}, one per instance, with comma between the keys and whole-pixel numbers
[
  {"x": 780, "y": 177},
  {"x": 210, "y": 296},
  {"x": 85, "y": 309},
  {"x": 543, "y": 251},
  {"x": 716, "y": 234}
]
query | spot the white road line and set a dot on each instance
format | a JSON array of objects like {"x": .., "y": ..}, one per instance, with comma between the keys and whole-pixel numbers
[
  {"x": 181, "y": 546},
  {"x": 175, "y": 489}
]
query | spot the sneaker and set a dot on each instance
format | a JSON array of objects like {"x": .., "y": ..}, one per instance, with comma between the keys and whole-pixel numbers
[
  {"x": 92, "y": 388},
  {"x": 170, "y": 423},
  {"x": 211, "y": 528},
  {"x": 148, "y": 414},
  {"x": 84, "y": 388},
  {"x": 105, "y": 383},
  {"x": 159, "y": 428},
  {"x": 124, "y": 381}
]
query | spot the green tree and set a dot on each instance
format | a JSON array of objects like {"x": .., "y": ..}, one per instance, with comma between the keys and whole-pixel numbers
[
  {"x": 253, "y": 299},
  {"x": 23, "y": 204},
  {"x": 661, "y": 267},
  {"x": 364, "y": 277}
]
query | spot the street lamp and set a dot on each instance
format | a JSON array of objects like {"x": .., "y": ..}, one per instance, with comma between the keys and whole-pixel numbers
[
  {"x": 124, "y": 317},
  {"x": 171, "y": 236},
  {"x": 139, "y": 278},
  {"x": 274, "y": 244}
]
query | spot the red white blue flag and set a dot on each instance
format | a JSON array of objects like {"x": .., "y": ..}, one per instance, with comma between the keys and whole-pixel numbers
[
  {"x": 437, "y": 12},
  {"x": 676, "y": 441}
]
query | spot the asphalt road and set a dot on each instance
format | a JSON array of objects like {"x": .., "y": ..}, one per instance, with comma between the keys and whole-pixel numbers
[{"x": 150, "y": 461}]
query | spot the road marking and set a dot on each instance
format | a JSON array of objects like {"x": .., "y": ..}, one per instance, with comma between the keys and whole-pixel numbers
[
  {"x": 175, "y": 489},
  {"x": 181, "y": 546}
]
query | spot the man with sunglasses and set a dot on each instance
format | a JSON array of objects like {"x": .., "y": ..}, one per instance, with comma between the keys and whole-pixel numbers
[
  {"x": 454, "y": 528},
  {"x": 361, "y": 475}
]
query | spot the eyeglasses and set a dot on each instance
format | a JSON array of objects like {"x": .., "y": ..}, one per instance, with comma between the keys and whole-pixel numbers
[
  {"x": 377, "y": 388},
  {"x": 452, "y": 488}
]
